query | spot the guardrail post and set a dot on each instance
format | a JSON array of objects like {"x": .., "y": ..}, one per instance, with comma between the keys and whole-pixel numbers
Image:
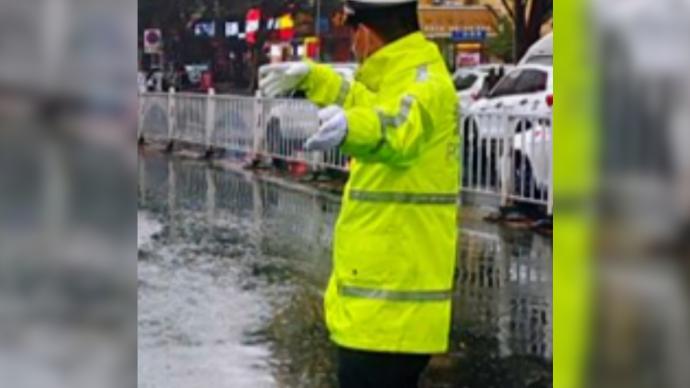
[
  {"x": 258, "y": 125},
  {"x": 171, "y": 118},
  {"x": 506, "y": 160},
  {"x": 210, "y": 119}
]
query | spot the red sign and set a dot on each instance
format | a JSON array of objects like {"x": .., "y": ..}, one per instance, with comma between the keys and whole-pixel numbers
[{"x": 253, "y": 20}]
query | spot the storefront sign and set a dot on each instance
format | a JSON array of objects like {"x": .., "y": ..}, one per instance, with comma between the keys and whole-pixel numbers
[
  {"x": 469, "y": 34},
  {"x": 464, "y": 59}
]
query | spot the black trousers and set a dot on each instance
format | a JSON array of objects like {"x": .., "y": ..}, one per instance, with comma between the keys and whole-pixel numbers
[{"x": 362, "y": 369}]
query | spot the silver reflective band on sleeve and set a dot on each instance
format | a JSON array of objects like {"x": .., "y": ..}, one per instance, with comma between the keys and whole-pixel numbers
[
  {"x": 400, "y": 296},
  {"x": 405, "y": 107},
  {"x": 399, "y": 197},
  {"x": 401, "y": 117},
  {"x": 383, "y": 119},
  {"x": 422, "y": 73},
  {"x": 342, "y": 93},
  {"x": 386, "y": 121}
]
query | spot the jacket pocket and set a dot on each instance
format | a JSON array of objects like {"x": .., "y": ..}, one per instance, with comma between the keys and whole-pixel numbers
[{"x": 368, "y": 261}]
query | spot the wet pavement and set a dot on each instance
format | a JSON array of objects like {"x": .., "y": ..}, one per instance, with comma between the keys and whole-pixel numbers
[{"x": 231, "y": 270}]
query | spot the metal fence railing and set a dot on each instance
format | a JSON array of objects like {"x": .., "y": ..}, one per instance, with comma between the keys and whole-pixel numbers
[
  {"x": 233, "y": 125},
  {"x": 508, "y": 155},
  {"x": 155, "y": 115},
  {"x": 504, "y": 155},
  {"x": 191, "y": 115}
]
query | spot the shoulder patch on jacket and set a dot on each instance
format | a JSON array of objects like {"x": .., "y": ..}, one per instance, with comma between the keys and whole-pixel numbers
[{"x": 422, "y": 73}]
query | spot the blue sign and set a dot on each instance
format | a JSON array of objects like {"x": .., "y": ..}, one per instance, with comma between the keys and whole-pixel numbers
[{"x": 469, "y": 35}]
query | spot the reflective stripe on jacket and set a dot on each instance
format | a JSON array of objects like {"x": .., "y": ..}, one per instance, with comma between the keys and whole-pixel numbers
[{"x": 395, "y": 238}]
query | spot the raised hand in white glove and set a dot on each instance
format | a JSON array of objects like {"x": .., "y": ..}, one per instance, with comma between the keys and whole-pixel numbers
[
  {"x": 332, "y": 130},
  {"x": 280, "y": 78}
]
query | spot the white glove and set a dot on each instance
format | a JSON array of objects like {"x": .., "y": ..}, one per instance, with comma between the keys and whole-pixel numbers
[
  {"x": 280, "y": 78},
  {"x": 332, "y": 130}
]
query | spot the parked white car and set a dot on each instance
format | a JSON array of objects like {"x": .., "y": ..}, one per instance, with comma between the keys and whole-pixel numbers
[
  {"x": 471, "y": 83},
  {"x": 540, "y": 53},
  {"x": 525, "y": 97},
  {"x": 527, "y": 89}
]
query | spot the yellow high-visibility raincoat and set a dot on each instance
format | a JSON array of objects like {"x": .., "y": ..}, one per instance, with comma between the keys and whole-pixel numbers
[{"x": 395, "y": 238}]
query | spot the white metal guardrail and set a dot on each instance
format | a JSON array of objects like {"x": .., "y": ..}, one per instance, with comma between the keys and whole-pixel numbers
[
  {"x": 155, "y": 115},
  {"x": 504, "y": 155},
  {"x": 233, "y": 125},
  {"x": 508, "y": 155}
]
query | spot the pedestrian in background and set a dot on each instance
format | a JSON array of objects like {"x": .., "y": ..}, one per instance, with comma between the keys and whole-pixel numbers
[
  {"x": 206, "y": 82},
  {"x": 388, "y": 302},
  {"x": 492, "y": 78}
]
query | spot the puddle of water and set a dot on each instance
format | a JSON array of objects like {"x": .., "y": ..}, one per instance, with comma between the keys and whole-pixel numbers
[
  {"x": 194, "y": 312},
  {"x": 231, "y": 271}
]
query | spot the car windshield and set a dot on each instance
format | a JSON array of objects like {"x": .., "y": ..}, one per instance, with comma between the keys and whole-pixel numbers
[
  {"x": 484, "y": 91},
  {"x": 506, "y": 85},
  {"x": 531, "y": 81},
  {"x": 541, "y": 60},
  {"x": 521, "y": 82},
  {"x": 464, "y": 82}
]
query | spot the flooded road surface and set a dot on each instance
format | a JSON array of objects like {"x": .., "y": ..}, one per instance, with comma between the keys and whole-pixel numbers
[{"x": 231, "y": 270}]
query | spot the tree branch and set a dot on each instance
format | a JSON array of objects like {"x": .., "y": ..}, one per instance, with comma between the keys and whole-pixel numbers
[
  {"x": 493, "y": 11},
  {"x": 508, "y": 9}
]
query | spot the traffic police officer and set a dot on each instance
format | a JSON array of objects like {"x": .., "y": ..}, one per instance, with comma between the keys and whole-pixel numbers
[{"x": 388, "y": 302}]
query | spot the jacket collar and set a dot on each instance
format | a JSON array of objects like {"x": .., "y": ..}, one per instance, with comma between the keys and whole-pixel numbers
[{"x": 411, "y": 50}]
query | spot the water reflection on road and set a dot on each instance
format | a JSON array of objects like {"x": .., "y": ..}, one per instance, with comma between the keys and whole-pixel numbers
[{"x": 231, "y": 271}]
